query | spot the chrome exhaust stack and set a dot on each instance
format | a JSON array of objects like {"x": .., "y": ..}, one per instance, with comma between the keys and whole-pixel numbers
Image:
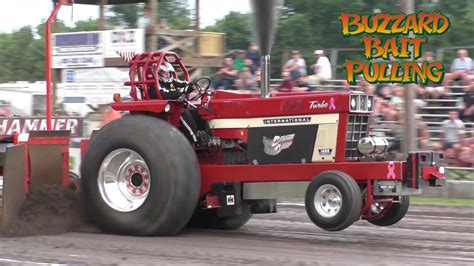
[{"x": 264, "y": 25}]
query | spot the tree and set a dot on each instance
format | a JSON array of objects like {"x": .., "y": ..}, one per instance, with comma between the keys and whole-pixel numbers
[
  {"x": 126, "y": 15},
  {"x": 237, "y": 29},
  {"x": 86, "y": 25},
  {"x": 176, "y": 12}
]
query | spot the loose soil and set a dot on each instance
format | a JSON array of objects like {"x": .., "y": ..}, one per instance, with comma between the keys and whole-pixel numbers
[{"x": 49, "y": 209}]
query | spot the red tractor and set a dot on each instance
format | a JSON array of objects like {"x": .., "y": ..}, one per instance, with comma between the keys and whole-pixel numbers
[
  {"x": 152, "y": 173},
  {"x": 190, "y": 156}
]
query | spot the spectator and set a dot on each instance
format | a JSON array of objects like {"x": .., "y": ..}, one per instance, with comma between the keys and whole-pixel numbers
[
  {"x": 431, "y": 89},
  {"x": 163, "y": 41},
  {"x": 460, "y": 69},
  {"x": 239, "y": 63},
  {"x": 423, "y": 134},
  {"x": 296, "y": 66},
  {"x": 452, "y": 130},
  {"x": 246, "y": 80},
  {"x": 466, "y": 156},
  {"x": 397, "y": 99},
  {"x": 322, "y": 69},
  {"x": 287, "y": 83},
  {"x": 144, "y": 21},
  {"x": 163, "y": 25},
  {"x": 467, "y": 112},
  {"x": 385, "y": 92},
  {"x": 248, "y": 63},
  {"x": 227, "y": 75},
  {"x": 301, "y": 84},
  {"x": 254, "y": 55}
]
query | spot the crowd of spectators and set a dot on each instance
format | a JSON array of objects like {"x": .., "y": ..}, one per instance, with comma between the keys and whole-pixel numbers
[
  {"x": 243, "y": 72},
  {"x": 452, "y": 135},
  {"x": 455, "y": 134}
]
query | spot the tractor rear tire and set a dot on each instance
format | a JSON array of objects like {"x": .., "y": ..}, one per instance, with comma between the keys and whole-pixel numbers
[
  {"x": 157, "y": 183},
  {"x": 333, "y": 201},
  {"x": 394, "y": 214},
  {"x": 208, "y": 219}
]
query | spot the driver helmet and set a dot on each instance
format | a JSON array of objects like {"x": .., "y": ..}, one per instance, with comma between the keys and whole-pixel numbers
[{"x": 166, "y": 72}]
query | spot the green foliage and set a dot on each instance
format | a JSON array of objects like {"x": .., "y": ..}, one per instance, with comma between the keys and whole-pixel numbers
[
  {"x": 126, "y": 15},
  {"x": 237, "y": 29},
  {"x": 176, "y": 12},
  {"x": 86, "y": 25},
  {"x": 21, "y": 56},
  {"x": 22, "y": 52},
  {"x": 307, "y": 25}
]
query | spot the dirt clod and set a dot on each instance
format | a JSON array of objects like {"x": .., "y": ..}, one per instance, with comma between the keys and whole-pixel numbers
[{"x": 48, "y": 209}]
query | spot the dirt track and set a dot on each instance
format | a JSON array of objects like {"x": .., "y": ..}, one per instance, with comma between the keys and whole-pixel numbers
[{"x": 427, "y": 236}]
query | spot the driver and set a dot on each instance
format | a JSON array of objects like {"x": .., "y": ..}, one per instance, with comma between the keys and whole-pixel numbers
[{"x": 170, "y": 86}]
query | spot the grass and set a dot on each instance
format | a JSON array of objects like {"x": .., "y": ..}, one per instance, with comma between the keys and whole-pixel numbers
[
  {"x": 459, "y": 175},
  {"x": 441, "y": 202}
]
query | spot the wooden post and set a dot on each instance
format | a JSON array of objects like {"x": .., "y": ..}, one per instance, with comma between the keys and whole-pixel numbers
[
  {"x": 152, "y": 38},
  {"x": 197, "y": 28},
  {"x": 409, "y": 128},
  {"x": 197, "y": 21},
  {"x": 103, "y": 3}
]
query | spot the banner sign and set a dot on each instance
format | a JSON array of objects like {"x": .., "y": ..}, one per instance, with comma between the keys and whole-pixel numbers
[
  {"x": 13, "y": 125},
  {"x": 132, "y": 40},
  {"x": 78, "y": 50}
]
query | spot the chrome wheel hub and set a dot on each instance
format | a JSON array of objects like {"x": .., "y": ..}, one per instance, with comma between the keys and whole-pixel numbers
[
  {"x": 328, "y": 200},
  {"x": 124, "y": 180}
]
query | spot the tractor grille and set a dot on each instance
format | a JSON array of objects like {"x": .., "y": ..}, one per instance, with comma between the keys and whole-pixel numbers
[{"x": 357, "y": 128}]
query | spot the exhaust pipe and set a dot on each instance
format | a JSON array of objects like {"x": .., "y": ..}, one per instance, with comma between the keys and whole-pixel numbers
[{"x": 264, "y": 24}]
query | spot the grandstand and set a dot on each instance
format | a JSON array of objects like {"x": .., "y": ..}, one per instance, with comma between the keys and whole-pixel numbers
[{"x": 432, "y": 114}]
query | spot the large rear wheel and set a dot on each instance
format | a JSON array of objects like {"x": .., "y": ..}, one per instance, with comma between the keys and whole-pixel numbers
[{"x": 140, "y": 176}]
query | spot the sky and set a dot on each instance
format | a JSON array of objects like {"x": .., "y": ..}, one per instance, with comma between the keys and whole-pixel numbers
[{"x": 15, "y": 14}]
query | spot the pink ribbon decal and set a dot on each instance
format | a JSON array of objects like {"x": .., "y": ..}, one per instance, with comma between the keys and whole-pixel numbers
[
  {"x": 332, "y": 106},
  {"x": 391, "y": 170}
]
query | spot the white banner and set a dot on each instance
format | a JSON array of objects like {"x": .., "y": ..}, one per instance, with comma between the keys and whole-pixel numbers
[
  {"x": 132, "y": 40},
  {"x": 99, "y": 75},
  {"x": 78, "y": 50}
]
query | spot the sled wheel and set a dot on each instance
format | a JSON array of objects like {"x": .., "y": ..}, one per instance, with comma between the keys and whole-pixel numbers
[
  {"x": 333, "y": 201},
  {"x": 396, "y": 211},
  {"x": 209, "y": 219},
  {"x": 140, "y": 176}
]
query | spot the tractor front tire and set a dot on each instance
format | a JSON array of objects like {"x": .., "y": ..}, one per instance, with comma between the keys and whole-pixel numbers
[
  {"x": 333, "y": 200},
  {"x": 208, "y": 219},
  {"x": 394, "y": 214},
  {"x": 140, "y": 176}
]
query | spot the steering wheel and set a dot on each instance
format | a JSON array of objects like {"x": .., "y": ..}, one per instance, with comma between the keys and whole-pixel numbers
[{"x": 202, "y": 90}]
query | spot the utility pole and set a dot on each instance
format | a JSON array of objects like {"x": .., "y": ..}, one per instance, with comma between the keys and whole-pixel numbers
[{"x": 410, "y": 136}]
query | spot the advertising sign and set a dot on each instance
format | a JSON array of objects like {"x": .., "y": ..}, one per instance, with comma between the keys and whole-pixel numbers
[
  {"x": 131, "y": 40},
  {"x": 16, "y": 125},
  {"x": 78, "y": 50}
]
